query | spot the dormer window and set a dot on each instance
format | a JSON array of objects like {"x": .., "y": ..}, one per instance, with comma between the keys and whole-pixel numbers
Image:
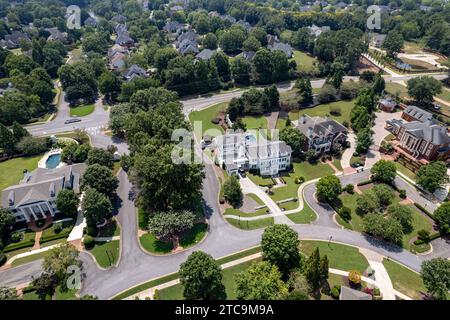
[
  {"x": 11, "y": 198},
  {"x": 52, "y": 190}
]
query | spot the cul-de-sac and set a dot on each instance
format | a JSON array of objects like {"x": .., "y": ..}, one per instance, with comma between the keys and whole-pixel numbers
[{"x": 224, "y": 150}]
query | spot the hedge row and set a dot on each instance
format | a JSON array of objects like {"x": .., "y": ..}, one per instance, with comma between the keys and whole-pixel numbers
[
  {"x": 428, "y": 213},
  {"x": 431, "y": 238},
  {"x": 54, "y": 237},
  {"x": 363, "y": 183},
  {"x": 19, "y": 245}
]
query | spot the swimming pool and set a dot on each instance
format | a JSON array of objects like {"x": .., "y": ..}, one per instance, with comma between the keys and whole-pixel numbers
[{"x": 53, "y": 161}]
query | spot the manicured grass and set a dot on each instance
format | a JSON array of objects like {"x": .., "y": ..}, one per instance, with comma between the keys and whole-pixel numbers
[
  {"x": 228, "y": 279},
  {"x": 204, "y": 117},
  {"x": 412, "y": 47},
  {"x": 29, "y": 258},
  {"x": 64, "y": 295},
  {"x": 153, "y": 245},
  {"x": 194, "y": 236},
  {"x": 260, "y": 181},
  {"x": 405, "y": 171},
  {"x": 419, "y": 222},
  {"x": 323, "y": 110},
  {"x": 142, "y": 219},
  {"x": 444, "y": 95},
  {"x": 340, "y": 256},
  {"x": 11, "y": 171},
  {"x": 308, "y": 170},
  {"x": 252, "y": 224},
  {"x": 307, "y": 215},
  {"x": 240, "y": 213},
  {"x": 32, "y": 295},
  {"x": 82, "y": 111},
  {"x": 255, "y": 122},
  {"x": 50, "y": 231},
  {"x": 393, "y": 88},
  {"x": 106, "y": 253},
  {"x": 357, "y": 159},
  {"x": 305, "y": 63},
  {"x": 26, "y": 243},
  {"x": 255, "y": 198},
  {"x": 117, "y": 167},
  {"x": 238, "y": 255},
  {"x": 337, "y": 164},
  {"x": 404, "y": 280}
]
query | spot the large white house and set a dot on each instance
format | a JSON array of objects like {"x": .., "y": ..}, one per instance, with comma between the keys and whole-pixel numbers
[
  {"x": 243, "y": 151},
  {"x": 34, "y": 198}
]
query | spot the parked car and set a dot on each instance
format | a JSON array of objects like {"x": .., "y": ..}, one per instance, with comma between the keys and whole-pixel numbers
[{"x": 72, "y": 120}]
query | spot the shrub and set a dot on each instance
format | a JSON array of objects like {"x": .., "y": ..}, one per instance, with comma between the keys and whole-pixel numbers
[
  {"x": 345, "y": 213},
  {"x": 156, "y": 295},
  {"x": 363, "y": 183},
  {"x": 58, "y": 228},
  {"x": 350, "y": 188},
  {"x": 299, "y": 180},
  {"x": 16, "y": 236},
  {"x": 354, "y": 277},
  {"x": 92, "y": 231},
  {"x": 88, "y": 242},
  {"x": 335, "y": 292},
  {"x": 2, "y": 258},
  {"x": 345, "y": 123},
  {"x": 215, "y": 121},
  {"x": 335, "y": 111},
  {"x": 402, "y": 193},
  {"x": 424, "y": 235}
]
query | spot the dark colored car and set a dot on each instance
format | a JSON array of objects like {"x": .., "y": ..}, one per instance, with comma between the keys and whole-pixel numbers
[{"x": 72, "y": 120}]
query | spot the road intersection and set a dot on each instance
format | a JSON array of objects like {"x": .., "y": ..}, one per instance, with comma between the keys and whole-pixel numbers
[{"x": 136, "y": 267}]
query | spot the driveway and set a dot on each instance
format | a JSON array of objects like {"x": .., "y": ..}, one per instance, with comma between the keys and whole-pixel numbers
[{"x": 379, "y": 133}]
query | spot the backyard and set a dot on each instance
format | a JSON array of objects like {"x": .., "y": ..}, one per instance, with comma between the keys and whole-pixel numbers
[
  {"x": 205, "y": 117},
  {"x": 11, "y": 171},
  {"x": 305, "y": 63},
  {"x": 325, "y": 110}
]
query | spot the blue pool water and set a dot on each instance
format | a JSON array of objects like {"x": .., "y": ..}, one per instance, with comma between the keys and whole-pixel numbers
[{"x": 53, "y": 161}]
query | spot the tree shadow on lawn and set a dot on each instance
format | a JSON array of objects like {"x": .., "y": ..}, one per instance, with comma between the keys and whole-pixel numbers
[{"x": 383, "y": 244}]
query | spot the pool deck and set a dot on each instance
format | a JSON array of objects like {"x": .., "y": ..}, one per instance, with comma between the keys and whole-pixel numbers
[{"x": 43, "y": 162}]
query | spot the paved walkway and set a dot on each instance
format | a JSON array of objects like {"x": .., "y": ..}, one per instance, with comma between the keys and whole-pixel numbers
[
  {"x": 348, "y": 153},
  {"x": 80, "y": 224},
  {"x": 37, "y": 240}
]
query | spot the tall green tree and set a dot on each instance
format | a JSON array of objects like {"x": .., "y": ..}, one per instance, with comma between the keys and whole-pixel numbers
[
  {"x": 442, "y": 216},
  {"x": 279, "y": 245},
  {"x": 67, "y": 202},
  {"x": 101, "y": 179},
  {"x": 432, "y": 176},
  {"x": 96, "y": 207},
  {"x": 328, "y": 188},
  {"x": 436, "y": 277},
  {"x": 316, "y": 270},
  {"x": 261, "y": 281},
  {"x": 384, "y": 171},
  {"x": 364, "y": 140},
  {"x": 170, "y": 224},
  {"x": 201, "y": 278},
  {"x": 423, "y": 88},
  {"x": 294, "y": 138},
  {"x": 232, "y": 191},
  {"x": 393, "y": 43}
]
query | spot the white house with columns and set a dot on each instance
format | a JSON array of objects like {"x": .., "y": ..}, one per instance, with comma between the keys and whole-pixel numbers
[{"x": 34, "y": 198}]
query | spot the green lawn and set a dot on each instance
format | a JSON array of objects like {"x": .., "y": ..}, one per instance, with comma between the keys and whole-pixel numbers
[
  {"x": 404, "y": 280},
  {"x": 255, "y": 198},
  {"x": 64, "y": 295},
  {"x": 194, "y": 236},
  {"x": 260, "y": 181},
  {"x": 106, "y": 253},
  {"x": 396, "y": 88},
  {"x": 27, "y": 241},
  {"x": 29, "y": 258},
  {"x": 419, "y": 222},
  {"x": 228, "y": 279},
  {"x": 82, "y": 111},
  {"x": 153, "y": 245},
  {"x": 240, "y": 213},
  {"x": 405, "y": 171},
  {"x": 340, "y": 256},
  {"x": 357, "y": 159},
  {"x": 323, "y": 110},
  {"x": 251, "y": 225},
  {"x": 307, "y": 215},
  {"x": 50, "y": 231},
  {"x": 308, "y": 170},
  {"x": 11, "y": 171},
  {"x": 444, "y": 95},
  {"x": 305, "y": 63},
  {"x": 255, "y": 122},
  {"x": 111, "y": 229},
  {"x": 204, "y": 117},
  {"x": 337, "y": 164}
]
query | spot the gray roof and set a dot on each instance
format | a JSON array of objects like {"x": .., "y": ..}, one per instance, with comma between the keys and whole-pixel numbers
[
  {"x": 388, "y": 103},
  {"x": 418, "y": 113},
  {"x": 352, "y": 294},
  {"x": 428, "y": 131},
  {"x": 189, "y": 35},
  {"x": 269, "y": 149},
  {"x": 91, "y": 21},
  {"x": 42, "y": 185},
  {"x": 188, "y": 46},
  {"x": 14, "y": 38},
  {"x": 55, "y": 34},
  {"x": 313, "y": 127},
  {"x": 172, "y": 26},
  {"x": 285, "y": 47},
  {"x": 205, "y": 54},
  {"x": 134, "y": 71},
  {"x": 247, "y": 55}
]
